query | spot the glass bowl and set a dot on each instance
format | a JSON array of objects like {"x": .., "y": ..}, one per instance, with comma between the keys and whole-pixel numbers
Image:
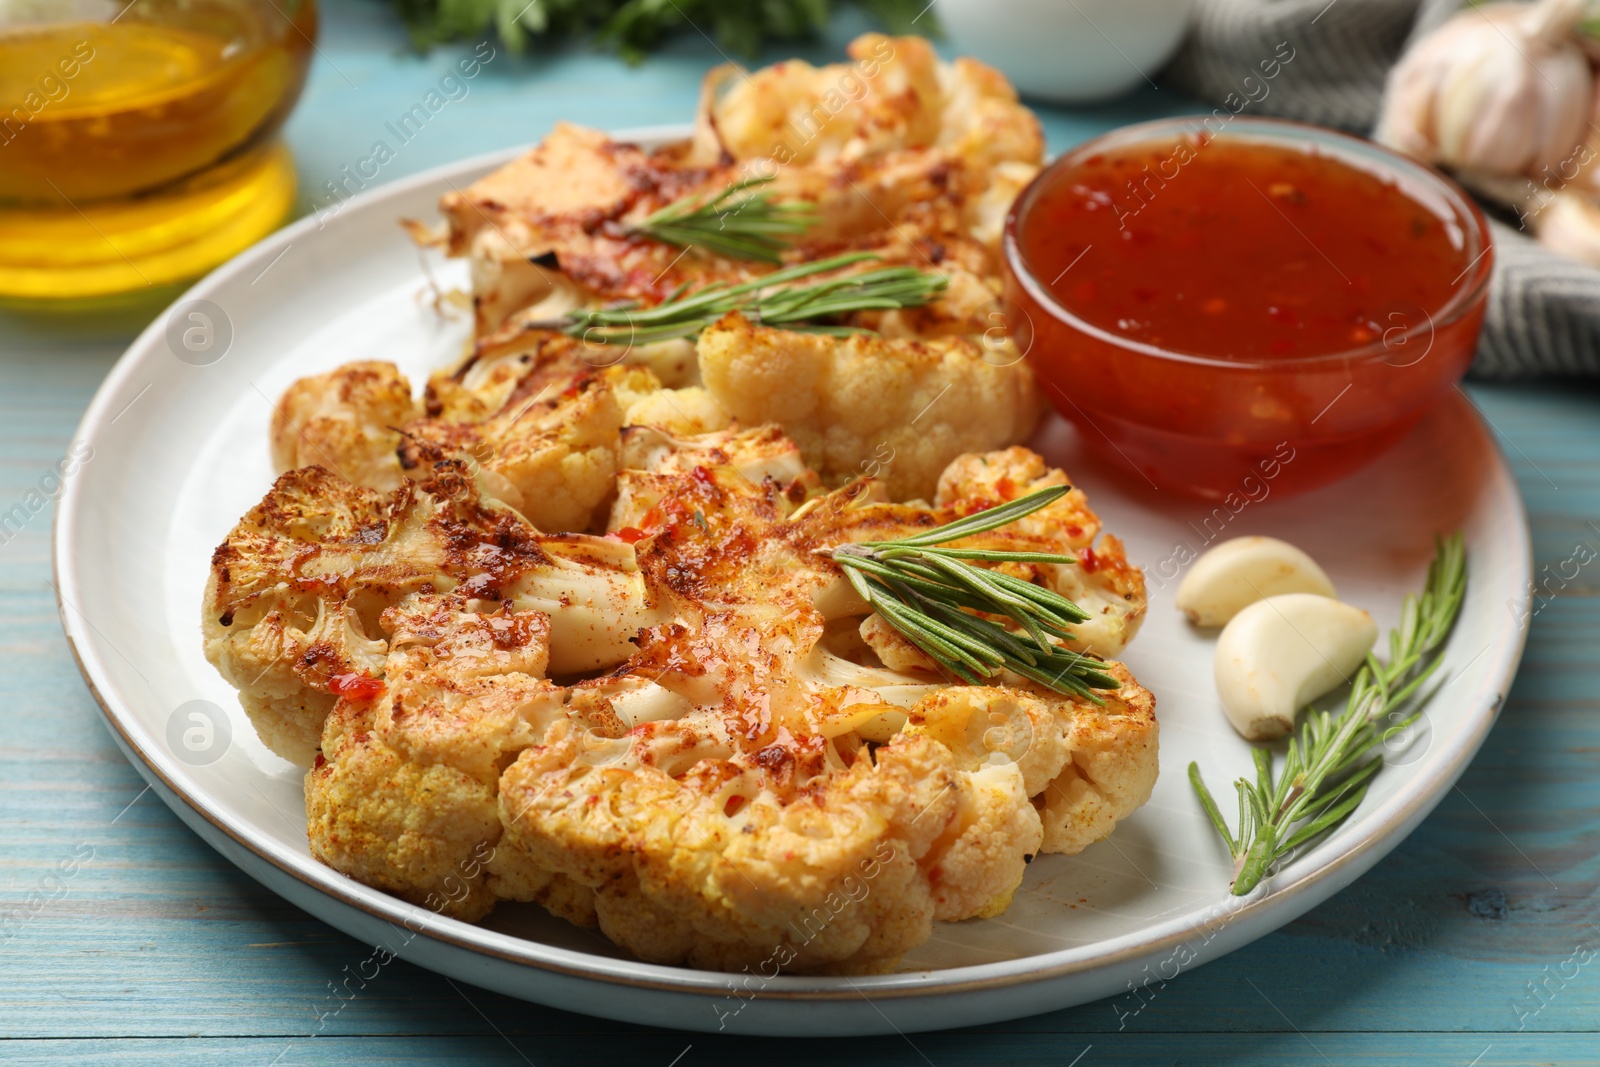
[{"x": 1218, "y": 427}]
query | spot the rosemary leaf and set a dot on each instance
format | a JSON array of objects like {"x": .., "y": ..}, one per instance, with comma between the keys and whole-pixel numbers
[
  {"x": 988, "y": 519},
  {"x": 1210, "y": 805},
  {"x": 997, "y": 556}
]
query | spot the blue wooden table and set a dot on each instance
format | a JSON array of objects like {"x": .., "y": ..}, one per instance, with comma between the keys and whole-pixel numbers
[{"x": 123, "y": 939}]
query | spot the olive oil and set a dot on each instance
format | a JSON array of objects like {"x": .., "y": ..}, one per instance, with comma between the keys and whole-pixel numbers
[{"x": 138, "y": 151}]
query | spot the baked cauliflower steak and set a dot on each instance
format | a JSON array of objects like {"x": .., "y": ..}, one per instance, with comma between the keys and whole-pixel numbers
[
  {"x": 920, "y": 165},
  {"x": 913, "y": 163},
  {"x": 690, "y": 731}
]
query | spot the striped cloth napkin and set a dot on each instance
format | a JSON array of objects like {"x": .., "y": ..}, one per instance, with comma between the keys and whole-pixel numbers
[{"x": 1544, "y": 309}]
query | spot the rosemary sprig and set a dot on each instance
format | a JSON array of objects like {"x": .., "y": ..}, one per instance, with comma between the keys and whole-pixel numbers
[
  {"x": 1327, "y": 769},
  {"x": 735, "y": 223},
  {"x": 928, "y": 593},
  {"x": 773, "y": 299}
]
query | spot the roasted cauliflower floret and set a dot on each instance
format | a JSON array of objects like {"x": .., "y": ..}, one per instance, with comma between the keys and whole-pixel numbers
[
  {"x": 404, "y": 791},
  {"x": 345, "y": 420},
  {"x": 691, "y": 410},
  {"x": 294, "y": 604},
  {"x": 924, "y": 211},
  {"x": 1087, "y": 766},
  {"x": 539, "y": 424},
  {"x": 1102, "y": 582},
  {"x": 563, "y": 209},
  {"x": 1112, "y": 770},
  {"x": 861, "y": 406},
  {"x": 986, "y": 847},
  {"x": 552, "y": 455},
  {"x": 896, "y": 95},
  {"x": 656, "y": 458},
  {"x": 574, "y": 171}
]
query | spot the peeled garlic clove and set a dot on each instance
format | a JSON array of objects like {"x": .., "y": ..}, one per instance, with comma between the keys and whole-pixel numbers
[
  {"x": 1281, "y": 653},
  {"x": 1501, "y": 88},
  {"x": 1231, "y": 576}
]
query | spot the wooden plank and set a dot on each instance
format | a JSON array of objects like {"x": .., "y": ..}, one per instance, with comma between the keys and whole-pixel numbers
[
  {"x": 1444, "y": 934},
  {"x": 1285, "y": 1049},
  {"x": 142, "y": 937}
]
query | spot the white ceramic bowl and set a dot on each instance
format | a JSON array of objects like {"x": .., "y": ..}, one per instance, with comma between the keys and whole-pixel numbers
[{"x": 1069, "y": 51}]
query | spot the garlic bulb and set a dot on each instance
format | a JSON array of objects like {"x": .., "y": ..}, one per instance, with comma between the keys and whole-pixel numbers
[
  {"x": 1504, "y": 89},
  {"x": 1569, "y": 223}
]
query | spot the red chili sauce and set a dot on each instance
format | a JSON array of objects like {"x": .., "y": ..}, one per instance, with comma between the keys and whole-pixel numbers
[
  {"x": 1217, "y": 313},
  {"x": 1242, "y": 249},
  {"x": 355, "y": 686}
]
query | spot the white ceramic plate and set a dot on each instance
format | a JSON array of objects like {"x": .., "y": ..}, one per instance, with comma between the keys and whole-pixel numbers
[{"x": 178, "y": 433}]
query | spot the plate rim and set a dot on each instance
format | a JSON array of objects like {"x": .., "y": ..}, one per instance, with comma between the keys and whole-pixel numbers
[{"x": 1410, "y": 805}]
